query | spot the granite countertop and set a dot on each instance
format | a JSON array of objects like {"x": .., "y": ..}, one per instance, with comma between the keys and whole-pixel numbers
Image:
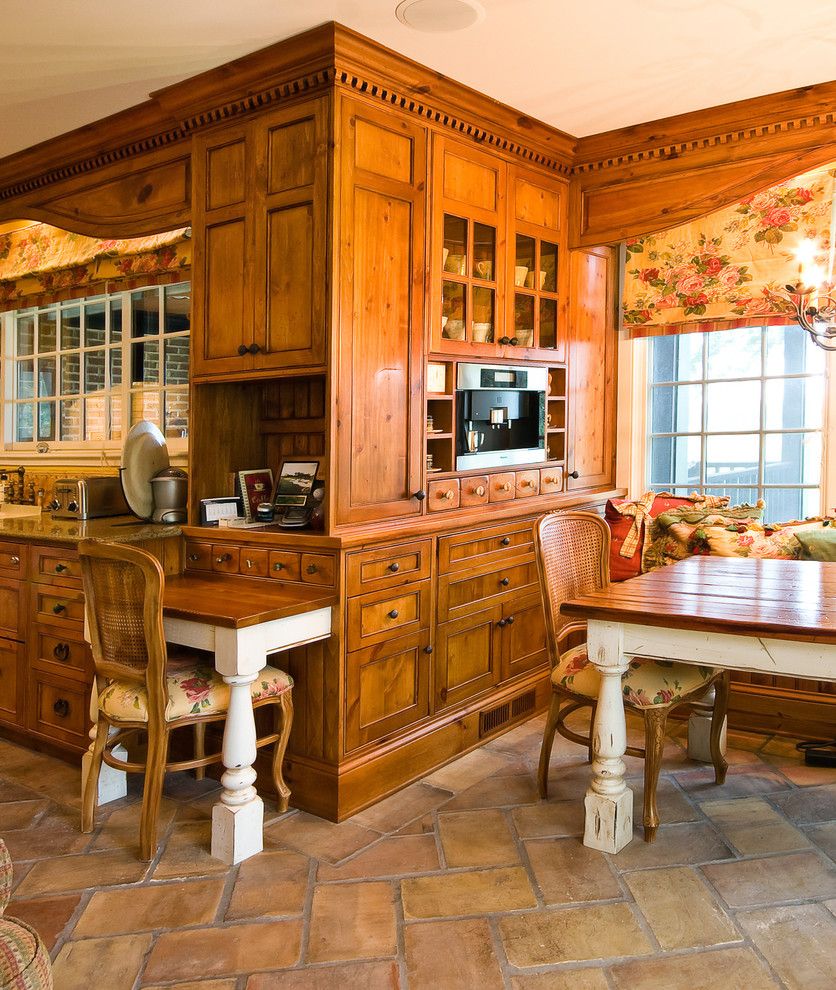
[{"x": 117, "y": 529}]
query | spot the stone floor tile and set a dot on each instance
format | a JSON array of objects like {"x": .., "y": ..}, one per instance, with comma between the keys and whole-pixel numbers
[
  {"x": 11, "y": 790},
  {"x": 187, "y": 853},
  {"x": 680, "y": 909},
  {"x": 523, "y": 740},
  {"x": 271, "y": 883},
  {"x": 570, "y": 781},
  {"x": 477, "y": 838},
  {"x": 722, "y": 969},
  {"x": 544, "y": 938},
  {"x": 757, "y": 840},
  {"x": 674, "y": 806},
  {"x": 773, "y": 879},
  {"x": 20, "y": 814},
  {"x": 824, "y": 837},
  {"x": 567, "y": 871},
  {"x": 245, "y": 948},
  {"x": 421, "y": 826},
  {"x": 381, "y": 975},
  {"x": 496, "y": 792},
  {"x": 753, "y": 742},
  {"x": 139, "y": 909},
  {"x": 474, "y": 892},
  {"x": 352, "y": 921},
  {"x": 674, "y": 845},
  {"x": 799, "y": 942},
  {"x": 314, "y": 836},
  {"x": 549, "y": 818},
  {"x": 561, "y": 979},
  {"x": 742, "y": 781},
  {"x": 803, "y": 776},
  {"x": 831, "y": 906},
  {"x": 455, "y": 955},
  {"x": 67, "y": 873},
  {"x": 470, "y": 769},
  {"x": 120, "y": 828},
  {"x": 56, "y": 833},
  {"x": 100, "y": 962},
  {"x": 47, "y": 915},
  {"x": 808, "y": 805},
  {"x": 394, "y": 812},
  {"x": 742, "y": 811},
  {"x": 42, "y": 774},
  {"x": 394, "y": 856}
]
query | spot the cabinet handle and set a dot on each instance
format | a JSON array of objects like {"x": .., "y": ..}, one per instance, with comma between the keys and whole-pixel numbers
[
  {"x": 506, "y": 487},
  {"x": 58, "y": 608},
  {"x": 394, "y": 614},
  {"x": 502, "y": 623},
  {"x": 60, "y": 568},
  {"x": 510, "y": 620},
  {"x": 505, "y": 340},
  {"x": 223, "y": 558},
  {"x": 394, "y": 567},
  {"x": 526, "y": 483},
  {"x": 61, "y": 707},
  {"x": 15, "y": 559},
  {"x": 278, "y": 566},
  {"x": 506, "y": 541},
  {"x": 428, "y": 649},
  {"x": 61, "y": 651},
  {"x": 249, "y": 563},
  {"x": 514, "y": 341},
  {"x": 194, "y": 557},
  {"x": 449, "y": 494},
  {"x": 420, "y": 495},
  {"x": 574, "y": 474},
  {"x": 479, "y": 491},
  {"x": 505, "y": 582},
  {"x": 550, "y": 481},
  {"x": 254, "y": 348},
  {"x": 243, "y": 349},
  {"x": 312, "y": 568}
]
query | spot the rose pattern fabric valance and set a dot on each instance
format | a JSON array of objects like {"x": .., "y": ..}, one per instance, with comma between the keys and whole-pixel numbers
[{"x": 725, "y": 269}]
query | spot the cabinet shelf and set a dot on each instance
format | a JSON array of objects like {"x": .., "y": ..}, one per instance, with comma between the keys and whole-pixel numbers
[{"x": 439, "y": 436}]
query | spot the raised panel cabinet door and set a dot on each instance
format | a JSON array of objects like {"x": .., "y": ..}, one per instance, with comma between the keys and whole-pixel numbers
[
  {"x": 380, "y": 419},
  {"x": 13, "y": 613},
  {"x": 523, "y": 636},
  {"x": 11, "y": 683},
  {"x": 591, "y": 370},
  {"x": 467, "y": 657}
]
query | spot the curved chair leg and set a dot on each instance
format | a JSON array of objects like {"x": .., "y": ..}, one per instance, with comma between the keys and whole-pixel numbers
[
  {"x": 91, "y": 785},
  {"x": 152, "y": 792},
  {"x": 655, "y": 720},
  {"x": 284, "y": 721},
  {"x": 548, "y": 742},
  {"x": 718, "y": 715},
  {"x": 199, "y": 748}
]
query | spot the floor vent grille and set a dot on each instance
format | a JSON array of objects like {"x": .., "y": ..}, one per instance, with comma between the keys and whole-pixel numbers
[
  {"x": 523, "y": 703},
  {"x": 508, "y": 711}
]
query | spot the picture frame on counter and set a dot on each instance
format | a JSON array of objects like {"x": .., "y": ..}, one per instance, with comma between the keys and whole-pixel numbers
[
  {"x": 256, "y": 486},
  {"x": 212, "y": 510},
  {"x": 295, "y": 483}
]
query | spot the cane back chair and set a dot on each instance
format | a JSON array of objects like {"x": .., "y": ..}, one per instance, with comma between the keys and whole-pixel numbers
[
  {"x": 573, "y": 552},
  {"x": 140, "y": 690}
]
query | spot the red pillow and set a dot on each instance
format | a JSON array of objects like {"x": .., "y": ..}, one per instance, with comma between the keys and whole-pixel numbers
[{"x": 622, "y": 568}]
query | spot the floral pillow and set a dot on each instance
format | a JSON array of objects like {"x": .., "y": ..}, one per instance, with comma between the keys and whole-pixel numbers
[{"x": 683, "y": 532}]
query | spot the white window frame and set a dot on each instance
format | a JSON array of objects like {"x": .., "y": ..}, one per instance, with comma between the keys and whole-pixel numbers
[{"x": 106, "y": 453}]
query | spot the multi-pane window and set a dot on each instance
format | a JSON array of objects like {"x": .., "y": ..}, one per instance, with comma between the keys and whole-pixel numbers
[
  {"x": 84, "y": 371},
  {"x": 739, "y": 413}
]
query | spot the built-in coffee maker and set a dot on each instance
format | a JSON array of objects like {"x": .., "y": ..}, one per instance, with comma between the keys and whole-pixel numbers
[{"x": 500, "y": 415}]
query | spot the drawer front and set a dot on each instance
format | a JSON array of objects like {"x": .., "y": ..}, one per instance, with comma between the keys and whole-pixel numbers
[
  {"x": 58, "y": 708},
  {"x": 225, "y": 559},
  {"x": 380, "y": 615},
  {"x": 474, "y": 491},
  {"x": 13, "y": 559},
  {"x": 11, "y": 673},
  {"x": 56, "y": 565},
  {"x": 478, "y": 546},
  {"x": 13, "y": 601},
  {"x": 443, "y": 495},
  {"x": 462, "y": 591},
  {"x": 386, "y": 567},
  {"x": 61, "y": 608},
  {"x": 64, "y": 655},
  {"x": 551, "y": 480},
  {"x": 319, "y": 568},
  {"x": 285, "y": 565},
  {"x": 254, "y": 563},
  {"x": 198, "y": 556},
  {"x": 527, "y": 483},
  {"x": 501, "y": 487}
]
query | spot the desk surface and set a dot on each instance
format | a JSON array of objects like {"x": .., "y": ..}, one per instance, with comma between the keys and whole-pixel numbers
[
  {"x": 237, "y": 602},
  {"x": 786, "y": 599}
]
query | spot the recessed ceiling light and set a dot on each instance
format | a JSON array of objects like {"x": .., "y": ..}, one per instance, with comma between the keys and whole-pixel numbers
[{"x": 439, "y": 15}]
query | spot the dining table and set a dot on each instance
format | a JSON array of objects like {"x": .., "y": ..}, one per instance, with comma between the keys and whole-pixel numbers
[{"x": 762, "y": 616}]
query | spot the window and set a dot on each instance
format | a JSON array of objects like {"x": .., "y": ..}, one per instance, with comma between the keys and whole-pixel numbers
[
  {"x": 739, "y": 413},
  {"x": 82, "y": 372}
]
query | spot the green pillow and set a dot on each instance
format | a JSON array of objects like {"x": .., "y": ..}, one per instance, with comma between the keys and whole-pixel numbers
[{"x": 817, "y": 544}]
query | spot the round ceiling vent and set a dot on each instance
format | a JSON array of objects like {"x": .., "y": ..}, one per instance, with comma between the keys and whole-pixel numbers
[{"x": 439, "y": 15}]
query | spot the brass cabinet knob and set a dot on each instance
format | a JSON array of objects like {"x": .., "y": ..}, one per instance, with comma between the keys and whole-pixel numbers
[
  {"x": 394, "y": 567},
  {"x": 278, "y": 566},
  {"x": 194, "y": 557},
  {"x": 249, "y": 563},
  {"x": 223, "y": 558},
  {"x": 15, "y": 559}
]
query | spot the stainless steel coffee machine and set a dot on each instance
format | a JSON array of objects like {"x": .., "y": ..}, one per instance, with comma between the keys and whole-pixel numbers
[{"x": 500, "y": 415}]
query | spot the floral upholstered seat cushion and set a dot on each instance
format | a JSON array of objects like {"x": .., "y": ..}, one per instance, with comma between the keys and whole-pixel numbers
[
  {"x": 646, "y": 683},
  {"x": 194, "y": 688}
]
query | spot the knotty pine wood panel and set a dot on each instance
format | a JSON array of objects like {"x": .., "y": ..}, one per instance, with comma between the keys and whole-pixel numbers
[{"x": 226, "y": 176}]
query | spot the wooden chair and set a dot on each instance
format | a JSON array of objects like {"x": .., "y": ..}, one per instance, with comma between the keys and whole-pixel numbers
[
  {"x": 573, "y": 552},
  {"x": 140, "y": 691}
]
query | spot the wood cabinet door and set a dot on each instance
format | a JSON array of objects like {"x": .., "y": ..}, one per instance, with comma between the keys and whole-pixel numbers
[
  {"x": 591, "y": 370},
  {"x": 523, "y": 636},
  {"x": 11, "y": 681},
  {"x": 13, "y": 613},
  {"x": 289, "y": 223},
  {"x": 468, "y": 657},
  {"x": 222, "y": 260},
  {"x": 379, "y": 413}
]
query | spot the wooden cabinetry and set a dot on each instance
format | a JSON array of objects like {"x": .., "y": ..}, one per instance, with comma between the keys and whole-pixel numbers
[{"x": 11, "y": 680}]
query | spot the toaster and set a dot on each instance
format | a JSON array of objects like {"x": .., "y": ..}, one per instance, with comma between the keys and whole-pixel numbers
[{"x": 88, "y": 498}]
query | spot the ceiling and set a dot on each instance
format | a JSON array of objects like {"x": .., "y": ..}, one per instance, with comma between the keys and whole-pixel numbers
[{"x": 582, "y": 65}]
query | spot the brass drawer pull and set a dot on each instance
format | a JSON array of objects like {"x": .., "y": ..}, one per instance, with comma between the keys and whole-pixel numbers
[
  {"x": 394, "y": 614},
  {"x": 223, "y": 558},
  {"x": 278, "y": 566},
  {"x": 61, "y": 708},
  {"x": 506, "y": 487},
  {"x": 394, "y": 567},
  {"x": 60, "y": 568},
  {"x": 449, "y": 494},
  {"x": 194, "y": 557},
  {"x": 505, "y": 541},
  {"x": 250, "y": 563},
  {"x": 61, "y": 651},
  {"x": 312, "y": 568},
  {"x": 58, "y": 608},
  {"x": 505, "y": 582},
  {"x": 14, "y": 559},
  {"x": 479, "y": 491}
]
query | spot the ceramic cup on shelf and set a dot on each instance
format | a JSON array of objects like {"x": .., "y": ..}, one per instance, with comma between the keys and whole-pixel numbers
[
  {"x": 482, "y": 332},
  {"x": 520, "y": 273},
  {"x": 455, "y": 264},
  {"x": 444, "y": 253},
  {"x": 454, "y": 330},
  {"x": 525, "y": 338},
  {"x": 529, "y": 280},
  {"x": 484, "y": 269},
  {"x": 543, "y": 277}
]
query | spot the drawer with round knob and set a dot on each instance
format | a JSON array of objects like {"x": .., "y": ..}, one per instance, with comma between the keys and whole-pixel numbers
[
  {"x": 443, "y": 495},
  {"x": 379, "y": 615},
  {"x": 58, "y": 708},
  {"x": 319, "y": 568},
  {"x": 502, "y": 487},
  {"x": 56, "y": 565},
  {"x": 388, "y": 567},
  {"x": 253, "y": 562},
  {"x": 474, "y": 490},
  {"x": 198, "y": 556},
  {"x": 59, "y": 652},
  {"x": 526, "y": 484},
  {"x": 13, "y": 558},
  {"x": 285, "y": 565},
  {"x": 225, "y": 559},
  {"x": 461, "y": 592},
  {"x": 551, "y": 480},
  {"x": 58, "y": 607},
  {"x": 475, "y": 546}
]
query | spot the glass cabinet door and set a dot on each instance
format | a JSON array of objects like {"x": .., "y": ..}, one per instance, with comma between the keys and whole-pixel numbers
[
  {"x": 468, "y": 286},
  {"x": 535, "y": 312}
]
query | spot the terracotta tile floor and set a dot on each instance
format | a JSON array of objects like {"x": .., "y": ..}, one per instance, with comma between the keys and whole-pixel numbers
[{"x": 463, "y": 881}]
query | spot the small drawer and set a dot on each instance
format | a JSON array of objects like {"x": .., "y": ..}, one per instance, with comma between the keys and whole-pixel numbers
[
  {"x": 56, "y": 565},
  {"x": 58, "y": 607},
  {"x": 13, "y": 559},
  {"x": 198, "y": 556},
  {"x": 318, "y": 568},
  {"x": 474, "y": 547},
  {"x": 58, "y": 708},
  {"x": 463, "y": 591},
  {"x": 225, "y": 559},
  {"x": 378, "y": 616},
  {"x": 254, "y": 563},
  {"x": 501, "y": 487},
  {"x": 386, "y": 567},
  {"x": 527, "y": 483},
  {"x": 443, "y": 495},
  {"x": 474, "y": 490},
  {"x": 63, "y": 654},
  {"x": 285, "y": 565},
  {"x": 551, "y": 480}
]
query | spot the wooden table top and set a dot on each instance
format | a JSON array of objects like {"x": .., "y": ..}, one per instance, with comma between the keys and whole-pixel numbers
[
  {"x": 785, "y": 599},
  {"x": 236, "y": 602}
]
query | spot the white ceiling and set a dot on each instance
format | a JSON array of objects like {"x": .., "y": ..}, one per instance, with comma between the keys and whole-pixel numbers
[{"x": 582, "y": 65}]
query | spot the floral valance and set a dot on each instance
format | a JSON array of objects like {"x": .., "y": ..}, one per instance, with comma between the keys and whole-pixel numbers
[
  {"x": 41, "y": 264},
  {"x": 727, "y": 269}
]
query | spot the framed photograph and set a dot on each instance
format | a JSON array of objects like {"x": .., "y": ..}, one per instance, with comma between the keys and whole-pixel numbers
[
  {"x": 295, "y": 484},
  {"x": 256, "y": 487}
]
